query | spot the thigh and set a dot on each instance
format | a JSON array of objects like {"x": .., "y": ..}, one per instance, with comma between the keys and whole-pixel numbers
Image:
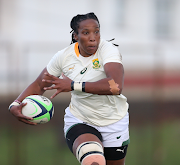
[
  {"x": 116, "y": 134},
  {"x": 85, "y": 138},
  {"x": 80, "y": 133},
  {"x": 85, "y": 142},
  {"x": 115, "y": 155}
]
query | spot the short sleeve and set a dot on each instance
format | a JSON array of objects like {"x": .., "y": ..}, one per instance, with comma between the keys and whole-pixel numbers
[
  {"x": 54, "y": 66},
  {"x": 110, "y": 53}
]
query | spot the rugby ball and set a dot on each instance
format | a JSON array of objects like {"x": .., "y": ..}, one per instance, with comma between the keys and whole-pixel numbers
[{"x": 39, "y": 107}]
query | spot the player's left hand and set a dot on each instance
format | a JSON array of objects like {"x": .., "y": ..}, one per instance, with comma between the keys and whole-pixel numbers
[{"x": 62, "y": 85}]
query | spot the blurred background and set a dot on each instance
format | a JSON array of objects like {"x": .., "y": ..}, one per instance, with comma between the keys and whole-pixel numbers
[{"x": 148, "y": 35}]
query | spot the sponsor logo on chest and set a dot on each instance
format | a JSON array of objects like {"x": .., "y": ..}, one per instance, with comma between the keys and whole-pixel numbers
[{"x": 96, "y": 64}]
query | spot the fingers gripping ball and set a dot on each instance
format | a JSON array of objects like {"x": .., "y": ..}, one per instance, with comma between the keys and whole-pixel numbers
[
  {"x": 39, "y": 108},
  {"x": 89, "y": 153}
]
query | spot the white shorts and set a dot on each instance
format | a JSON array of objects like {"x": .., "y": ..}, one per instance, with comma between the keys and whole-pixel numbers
[{"x": 113, "y": 135}]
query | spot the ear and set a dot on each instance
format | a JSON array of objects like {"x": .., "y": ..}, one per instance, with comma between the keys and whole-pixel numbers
[{"x": 75, "y": 36}]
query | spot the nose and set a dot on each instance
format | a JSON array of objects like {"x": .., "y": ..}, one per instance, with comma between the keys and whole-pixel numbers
[{"x": 92, "y": 37}]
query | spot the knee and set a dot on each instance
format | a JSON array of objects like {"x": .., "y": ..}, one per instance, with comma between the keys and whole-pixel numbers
[{"x": 90, "y": 153}]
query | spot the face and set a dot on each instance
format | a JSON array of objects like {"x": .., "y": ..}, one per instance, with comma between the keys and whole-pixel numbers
[{"x": 88, "y": 37}]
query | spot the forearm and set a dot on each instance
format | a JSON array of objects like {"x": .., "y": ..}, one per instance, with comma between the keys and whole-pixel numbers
[
  {"x": 106, "y": 86},
  {"x": 32, "y": 89},
  {"x": 36, "y": 88},
  {"x": 112, "y": 85}
]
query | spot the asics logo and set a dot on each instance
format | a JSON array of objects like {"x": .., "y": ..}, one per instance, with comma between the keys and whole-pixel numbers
[{"x": 83, "y": 71}]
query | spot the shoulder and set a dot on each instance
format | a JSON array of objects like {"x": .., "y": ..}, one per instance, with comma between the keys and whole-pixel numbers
[
  {"x": 57, "y": 62},
  {"x": 61, "y": 55},
  {"x": 104, "y": 44},
  {"x": 107, "y": 47},
  {"x": 109, "y": 52},
  {"x": 65, "y": 51}
]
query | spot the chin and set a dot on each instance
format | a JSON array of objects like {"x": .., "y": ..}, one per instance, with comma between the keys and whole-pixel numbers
[{"x": 91, "y": 52}]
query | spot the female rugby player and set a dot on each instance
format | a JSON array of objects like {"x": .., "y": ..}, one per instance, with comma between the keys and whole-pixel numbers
[{"x": 96, "y": 122}]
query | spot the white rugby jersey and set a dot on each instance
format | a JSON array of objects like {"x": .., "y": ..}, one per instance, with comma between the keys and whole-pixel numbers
[{"x": 94, "y": 109}]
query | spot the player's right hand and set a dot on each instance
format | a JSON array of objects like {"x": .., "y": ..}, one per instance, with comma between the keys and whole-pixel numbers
[{"x": 17, "y": 112}]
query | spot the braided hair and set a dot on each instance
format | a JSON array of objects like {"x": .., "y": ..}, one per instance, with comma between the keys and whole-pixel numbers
[{"x": 77, "y": 19}]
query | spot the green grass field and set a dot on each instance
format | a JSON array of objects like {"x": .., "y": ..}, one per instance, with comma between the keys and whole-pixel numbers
[{"x": 150, "y": 145}]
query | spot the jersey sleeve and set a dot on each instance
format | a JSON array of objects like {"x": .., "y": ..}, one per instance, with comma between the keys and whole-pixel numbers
[
  {"x": 54, "y": 65},
  {"x": 110, "y": 53}
]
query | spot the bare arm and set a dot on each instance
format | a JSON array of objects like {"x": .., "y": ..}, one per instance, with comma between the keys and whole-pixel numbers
[
  {"x": 35, "y": 88},
  {"x": 112, "y": 85}
]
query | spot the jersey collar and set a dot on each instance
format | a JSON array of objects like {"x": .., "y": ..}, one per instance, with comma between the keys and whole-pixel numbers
[{"x": 76, "y": 49}]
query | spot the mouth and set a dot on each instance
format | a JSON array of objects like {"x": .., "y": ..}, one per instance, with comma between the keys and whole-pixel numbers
[{"x": 92, "y": 47}]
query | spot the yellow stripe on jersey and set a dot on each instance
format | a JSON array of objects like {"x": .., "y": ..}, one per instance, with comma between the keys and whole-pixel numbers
[{"x": 76, "y": 49}]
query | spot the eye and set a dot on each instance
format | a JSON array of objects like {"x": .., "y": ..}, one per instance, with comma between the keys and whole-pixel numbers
[
  {"x": 97, "y": 31},
  {"x": 85, "y": 33}
]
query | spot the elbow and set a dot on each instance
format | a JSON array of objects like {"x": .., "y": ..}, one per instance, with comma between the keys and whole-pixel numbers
[
  {"x": 115, "y": 88},
  {"x": 120, "y": 90},
  {"x": 117, "y": 91}
]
